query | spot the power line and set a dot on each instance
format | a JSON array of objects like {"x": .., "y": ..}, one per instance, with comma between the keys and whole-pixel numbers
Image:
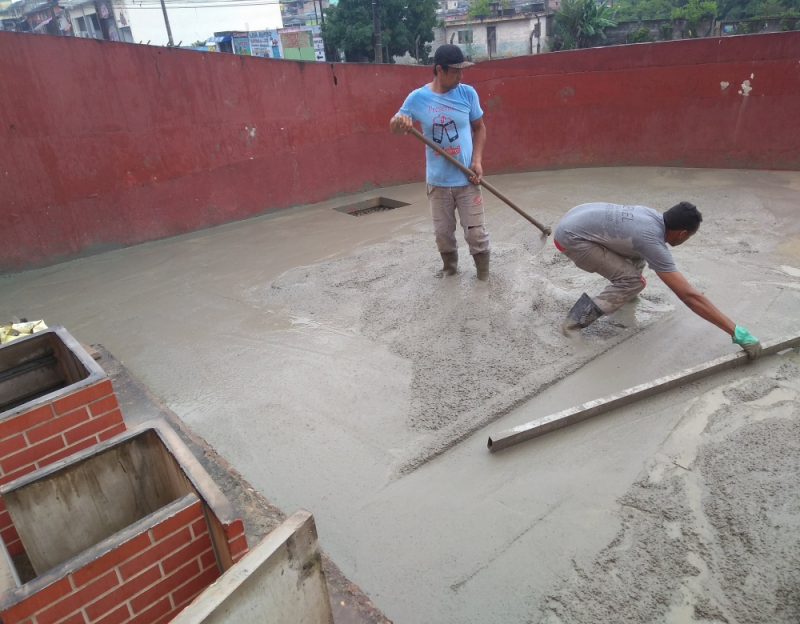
[
  {"x": 146, "y": 4},
  {"x": 199, "y": 6},
  {"x": 203, "y": 6},
  {"x": 196, "y": 3}
]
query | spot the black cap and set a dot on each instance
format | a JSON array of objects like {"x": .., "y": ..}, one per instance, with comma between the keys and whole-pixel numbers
[{"x": 449, "y": 55}]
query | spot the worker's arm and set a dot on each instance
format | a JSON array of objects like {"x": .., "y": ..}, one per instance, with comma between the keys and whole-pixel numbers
[
  {"x": 400, "y": 124},
  {"x": 478, "y": 141},
  {"x": 702, "y": 306}
]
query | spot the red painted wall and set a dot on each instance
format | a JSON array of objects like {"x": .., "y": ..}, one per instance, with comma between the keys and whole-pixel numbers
[{"x": 106, "y": 144}]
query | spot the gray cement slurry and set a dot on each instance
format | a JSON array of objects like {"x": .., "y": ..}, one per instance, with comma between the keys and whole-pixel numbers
[
  {"x": 711, "y": 526},
  {"x": 318, "y": 353}
]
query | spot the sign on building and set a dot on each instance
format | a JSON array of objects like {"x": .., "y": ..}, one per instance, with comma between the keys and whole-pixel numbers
[
  {"x": 265, "y": 43},
  {"x": 241, "y": 43},
  {"x": 302, "y": 43}
]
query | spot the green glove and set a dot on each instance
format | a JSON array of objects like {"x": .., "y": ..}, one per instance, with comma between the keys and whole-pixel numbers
[{"x": 747, "y": 341}]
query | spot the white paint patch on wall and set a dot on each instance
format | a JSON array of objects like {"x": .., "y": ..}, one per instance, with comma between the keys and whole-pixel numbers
[
  {"x": 724, "y": 85},
  {"x": 746, "y": 88}
]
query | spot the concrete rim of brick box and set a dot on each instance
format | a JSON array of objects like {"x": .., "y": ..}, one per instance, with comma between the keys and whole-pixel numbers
[
  {"x": 297, "y": 537},
  {"x": 210, "y": 493},
  {"x": 96, "y": 373}
]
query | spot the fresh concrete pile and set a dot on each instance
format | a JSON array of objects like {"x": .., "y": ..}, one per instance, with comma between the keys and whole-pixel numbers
[
  {"x": 711, "y": 529},
  {"x": 476, "y": 349}
]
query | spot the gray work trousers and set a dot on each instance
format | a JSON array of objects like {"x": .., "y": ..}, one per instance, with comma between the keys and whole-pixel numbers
[
  {"x": 467, "y": 200},
  {"x": 625, "y": 274}
]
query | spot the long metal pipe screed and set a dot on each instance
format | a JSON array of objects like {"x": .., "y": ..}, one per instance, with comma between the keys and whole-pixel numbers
[{"x": 573, "y": 415}]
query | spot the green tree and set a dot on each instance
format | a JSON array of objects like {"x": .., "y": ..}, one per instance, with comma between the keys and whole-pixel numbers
[
  {"x": 640, "y": 35},
  {"x": 749, "y": 9},
  {"x": 348, "y": 27},
  {"x": 694, "y": 11},
  {"x": 580, "y": 23},
  {"x": 638, "y": 10},
  {"x": 770, "y": 8},
  {"x": 481, "y": 7}
]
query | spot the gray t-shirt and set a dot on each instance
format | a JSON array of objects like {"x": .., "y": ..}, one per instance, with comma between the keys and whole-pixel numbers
[{"x": 631, "y": 231}]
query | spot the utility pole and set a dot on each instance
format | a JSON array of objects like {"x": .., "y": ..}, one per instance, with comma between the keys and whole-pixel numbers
[
  {"x": 376, "y": 31},
  {"x": 171, "y": 44}
]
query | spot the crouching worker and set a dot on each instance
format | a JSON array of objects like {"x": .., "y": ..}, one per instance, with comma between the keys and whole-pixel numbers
[{"x": 616, "y": 242}]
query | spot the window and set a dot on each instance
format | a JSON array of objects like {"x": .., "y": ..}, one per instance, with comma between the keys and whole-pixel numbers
[{"x": 465, "y": 36}]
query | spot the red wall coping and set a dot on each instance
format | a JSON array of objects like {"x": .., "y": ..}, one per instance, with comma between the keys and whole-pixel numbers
[{"x": 107, "y": 144}]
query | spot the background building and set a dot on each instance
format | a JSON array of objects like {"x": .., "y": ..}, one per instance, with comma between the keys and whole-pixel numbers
[{"x": 505, "y": 32}]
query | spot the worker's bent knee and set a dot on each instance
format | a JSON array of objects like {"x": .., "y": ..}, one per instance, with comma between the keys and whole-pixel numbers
[{"x": 630, "y": 286}]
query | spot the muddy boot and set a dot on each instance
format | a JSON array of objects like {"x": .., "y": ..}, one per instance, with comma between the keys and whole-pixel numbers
[
  {"x": 582, "y": 314},
  {"x": 450, "y": 267},
  {"x": 482, "y": 265}
]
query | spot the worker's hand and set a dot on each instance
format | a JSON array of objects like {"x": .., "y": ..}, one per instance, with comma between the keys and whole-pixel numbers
[
  {"x": 401, "y": 123},
  {"x": 747, "y": 341},
  {"x": 478, "y": 169}
]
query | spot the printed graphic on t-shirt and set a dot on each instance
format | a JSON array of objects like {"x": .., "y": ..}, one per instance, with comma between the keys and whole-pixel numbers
[{"x": 444, "y": 127}]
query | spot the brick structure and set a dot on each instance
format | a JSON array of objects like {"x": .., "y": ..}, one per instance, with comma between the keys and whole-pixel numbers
[
  {"x": 58, "y": 424},
  {"x": 234, "y": 532},
  {"x": 95, "y": 566},
  {"x": 146, "y": 579}
]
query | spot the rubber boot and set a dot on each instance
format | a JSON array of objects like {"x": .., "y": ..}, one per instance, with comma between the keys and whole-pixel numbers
[
  {"x": 482, "y": 265},
  {"x": 583, "y": 313},
  {"x": 450, "y": 267}
]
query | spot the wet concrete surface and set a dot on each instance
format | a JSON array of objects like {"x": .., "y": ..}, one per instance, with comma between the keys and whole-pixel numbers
[
  {"x": 319, "y": 354},
  {"x": 349, "y": 604}
]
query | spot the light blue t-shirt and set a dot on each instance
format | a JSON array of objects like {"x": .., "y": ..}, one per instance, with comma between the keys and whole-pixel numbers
[{"x": 445, "y": 119}]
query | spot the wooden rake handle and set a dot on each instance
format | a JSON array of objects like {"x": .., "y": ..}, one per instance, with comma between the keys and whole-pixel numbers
[{"x": 545, "y": 230}]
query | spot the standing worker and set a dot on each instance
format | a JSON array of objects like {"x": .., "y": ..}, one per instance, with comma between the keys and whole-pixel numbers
[
  {"x": 451, "y": 116},
  {"x": 616, "y": 241}
]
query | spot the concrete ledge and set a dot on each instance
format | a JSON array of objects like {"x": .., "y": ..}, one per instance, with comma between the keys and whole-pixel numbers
[{"x": 278, "y": 581}]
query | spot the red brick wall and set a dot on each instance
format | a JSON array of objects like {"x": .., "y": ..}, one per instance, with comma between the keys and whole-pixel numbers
[
  {"x": 47, "y": 433},
  {"x": 148, "y": 579},
  {"x": 237, "y": 541},
  {"x": 169, "y": 140}
]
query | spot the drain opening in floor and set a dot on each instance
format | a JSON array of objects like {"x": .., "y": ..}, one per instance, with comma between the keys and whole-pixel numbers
[{"x": 368, "y": 206}]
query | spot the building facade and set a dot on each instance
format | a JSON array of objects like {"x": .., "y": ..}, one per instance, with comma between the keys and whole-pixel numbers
[{"x": 499, "y": 36}]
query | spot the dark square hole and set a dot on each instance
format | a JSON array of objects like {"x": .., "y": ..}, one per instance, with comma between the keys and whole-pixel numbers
[{"x": 368, "y": 206}]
